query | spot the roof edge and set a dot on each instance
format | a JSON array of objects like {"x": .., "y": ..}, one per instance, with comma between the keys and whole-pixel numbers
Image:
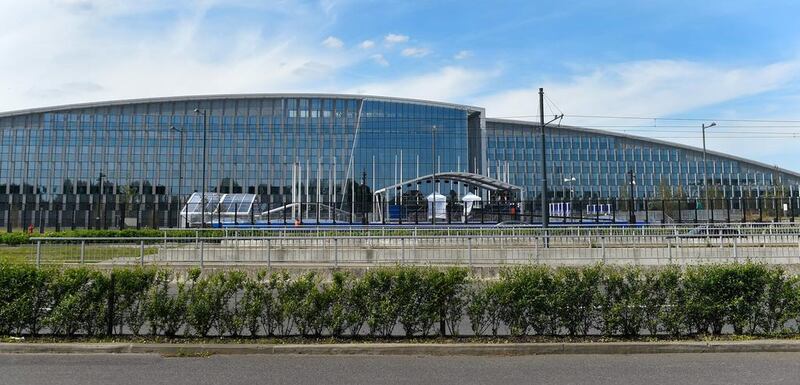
[{"x": 202, "y": 97}]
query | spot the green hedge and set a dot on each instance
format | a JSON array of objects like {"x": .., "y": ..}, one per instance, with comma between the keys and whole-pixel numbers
[
  {"x": 18, "y": 238},
  {"x": 744, "y": 299}
]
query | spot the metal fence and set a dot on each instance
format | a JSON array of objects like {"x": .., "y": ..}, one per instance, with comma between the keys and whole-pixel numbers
[
  {"x": 109, "y": 213},
  {"x": 487, "y": 247},
  {"x": 412, "y": 230}
]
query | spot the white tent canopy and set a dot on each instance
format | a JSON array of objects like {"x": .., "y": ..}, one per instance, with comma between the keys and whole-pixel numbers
[
  {"x": 469, "y": 200},
  {"x": 438, "y": 201}
]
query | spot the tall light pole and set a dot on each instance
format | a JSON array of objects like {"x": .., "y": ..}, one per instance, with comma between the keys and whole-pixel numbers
[
  {"x": 705, "y": 168},
  {"x": 203, "y": 192},
  {"x": 542, "y": 124},
  {"x": 180, "y": 164},
  {"x": 433, "y": 159}
]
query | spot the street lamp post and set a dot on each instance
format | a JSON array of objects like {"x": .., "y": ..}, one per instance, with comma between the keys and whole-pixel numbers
[
  {"x": 631, "y": 203},
  {"x": 570, "y": 180},
  {"x": 203, "y": 192},
  {"x": 705, "y": 168},
  {"x": 180, "y": 172},
  {"x": 571, "y": 190}
]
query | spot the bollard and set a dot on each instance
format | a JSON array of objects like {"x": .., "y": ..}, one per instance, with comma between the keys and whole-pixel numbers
[
  {"x": 141, "y": 253},
  {"x": 83, "y": 251},
  {"x": 202, "y": 246},
  {"x": 269, "y": 256},
  {"x": 335, "y": 252},
  {"x": 38, "y": 253}
]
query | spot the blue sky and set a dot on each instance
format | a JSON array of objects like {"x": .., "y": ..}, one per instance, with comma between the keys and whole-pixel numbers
[{"x": 730, "y": 61}]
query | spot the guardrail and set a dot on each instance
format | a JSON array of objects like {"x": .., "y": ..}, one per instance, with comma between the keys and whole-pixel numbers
[
  {"x": 569, "y": 246},
  {"x": 478, "y": 230}
]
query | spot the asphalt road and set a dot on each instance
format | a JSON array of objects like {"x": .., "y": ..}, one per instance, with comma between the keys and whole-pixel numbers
[{"x": 123, "y": 369}]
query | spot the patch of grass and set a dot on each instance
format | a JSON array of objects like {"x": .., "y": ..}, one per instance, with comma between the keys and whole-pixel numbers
[
  {"x": 70, "y": 253},
  {"x": 181, "y": 353}
]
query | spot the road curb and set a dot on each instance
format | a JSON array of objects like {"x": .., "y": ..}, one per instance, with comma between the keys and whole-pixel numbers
[{"x": 452, "y": 349}]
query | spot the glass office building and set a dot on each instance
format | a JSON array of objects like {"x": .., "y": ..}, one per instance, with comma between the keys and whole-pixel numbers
[
  {"x": 593, "y": 164},
  {"x": 83, "y": 163}
]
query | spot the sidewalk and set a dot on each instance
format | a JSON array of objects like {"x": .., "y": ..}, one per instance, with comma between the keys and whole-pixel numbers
[{"x": 453, "y": 349}]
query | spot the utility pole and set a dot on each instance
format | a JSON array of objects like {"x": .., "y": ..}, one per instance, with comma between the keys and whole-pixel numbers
[{"x": 545, "y": 208}]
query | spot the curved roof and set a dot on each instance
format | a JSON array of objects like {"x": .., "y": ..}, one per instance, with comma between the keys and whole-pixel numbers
[
  {"x": 595, "y": 131},
  {"x": 186, "y": 98},
  {"x": 478, "y": 180}
]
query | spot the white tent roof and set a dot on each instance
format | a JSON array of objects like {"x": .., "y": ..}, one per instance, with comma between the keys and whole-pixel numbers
[
  {"x": 439, "y": 197},
  {"x": 470, "y": 197}
]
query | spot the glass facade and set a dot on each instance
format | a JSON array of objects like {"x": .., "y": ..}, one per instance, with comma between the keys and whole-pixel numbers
[
  {"x": 587, "y": 164},
  {"x": 263, "y": 145},
  {"x": 151, "y": 152}
]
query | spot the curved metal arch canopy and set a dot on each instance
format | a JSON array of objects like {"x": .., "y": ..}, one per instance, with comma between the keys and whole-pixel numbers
[{"x": 477, "y": 180}]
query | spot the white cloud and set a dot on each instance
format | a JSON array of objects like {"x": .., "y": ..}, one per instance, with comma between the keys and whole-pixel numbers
[
  {"x": 181, "y": 53},
  {"x": 395, "y": 38},
  {"x": 415, "y": 52},
  {"x": 333, "y": 42},
  {"x": 646, "y": 88},
  {"x": 367, "y": 44},
  {"x": 448, "y": 84},
  {"x": 461, "y": 55},
  {"x": 378, "y": 58},
  {"x": 664, "y": 88}
]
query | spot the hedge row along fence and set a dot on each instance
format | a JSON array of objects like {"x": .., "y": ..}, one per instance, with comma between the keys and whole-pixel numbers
[
  {"x": 20, "y": 238},
  {"x": 532, "y": 300}
]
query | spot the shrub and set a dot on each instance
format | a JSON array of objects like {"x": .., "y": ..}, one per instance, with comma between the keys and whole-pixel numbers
[
  {"x": 13, "y": 239},
  {"x": 720, "y": 294},
  {"x": 166, "y": 313},
  {"x": 576, "y": 296},
  {"x": 130, "y": 297},
  {"x": 23, "y": 298},
  {"x": 79, "y": 298},
  {"x": 672, "y": 315},
  {"x": 252, "y": 304},
  {"x": 452, "y": 297},
  {"x": 622, "y": 301},
  {"x": 381, "y": 306},
  {"x": 749, "y": 298},
  {"x": 780, "y": 302},
  {"x": 527, "y": 300}
]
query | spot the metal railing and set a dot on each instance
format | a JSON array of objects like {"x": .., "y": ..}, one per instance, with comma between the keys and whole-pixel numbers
[
  {"x": 477, "y": 230},
  {"x": 105, "y": 213},
  {"x": 648, "y": 245}
]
